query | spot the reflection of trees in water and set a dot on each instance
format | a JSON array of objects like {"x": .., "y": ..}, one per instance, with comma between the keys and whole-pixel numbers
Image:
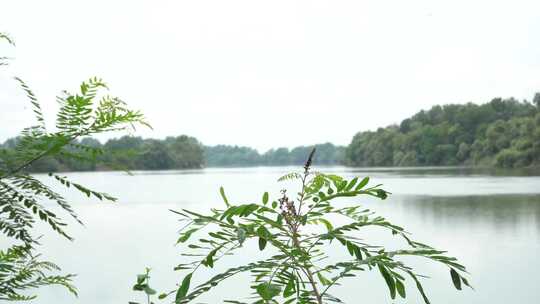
[
  {"x": 449, "y": 171},
  {"x": 500, "y": 213}
]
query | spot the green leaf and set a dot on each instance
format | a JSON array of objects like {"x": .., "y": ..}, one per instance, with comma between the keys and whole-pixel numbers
[
  {"x": 262, "y": 243},
  {"x": 351, "y": 184},
  {"x": 382, "y": 194},
  {"x": 265, "y": 198},
  {"x": 162, "y": 296},
  {"x": 361, "y": 185},
  {"x": 358, "y": 253},
  {"x": 400, "y": 289},
  {"x": 185, "y": 235},
  {"x": 341, "y": 185},
  {"x": 263, "y": 232},
  {"x": 455, "y": 278},
  {"x": 184, "y": 287},
  {"x": 466, "y": 282},
  {"x": 267, "y": 290},
  {"x": 389, "y": 280},
  {"x": 323, "y": 280},
  {"x": 350, "y": 248},
  {"x": 222, "y": 192},
  {"x": 139, "y": 287},
  {"x": 210, "y": 257},
  {"x": 419, "y": 287},
  {"x": 303, "y": 219},
  {"x": 141, "y": 278},
  {"x": 149, "y": 291},
  {"x": 327, "y": 224},
  {"x": 289, "y": 288}
]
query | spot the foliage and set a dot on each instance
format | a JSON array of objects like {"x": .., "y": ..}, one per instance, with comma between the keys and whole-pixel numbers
[
  {"x": 180, "y": 152},
  {"x": 297, "y": 235},
  {"x": 24, "y": 198},
  {"x": 231, "y": 156},
  {"x": 504, "y": 133},
  {"x": 21, "y": 271},
  {"x": 227, "y": 156},
  {"x": 143, "y": 284},
  {"x": 125, "y": 153}
]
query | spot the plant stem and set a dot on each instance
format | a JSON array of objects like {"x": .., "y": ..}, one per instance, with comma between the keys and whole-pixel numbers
[
  {"x": 294, "y": 232},
  {"x": 307, "y": 269}
]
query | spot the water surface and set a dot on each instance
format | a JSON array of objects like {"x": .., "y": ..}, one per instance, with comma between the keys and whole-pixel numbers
[{"x": 490, "y": 220}]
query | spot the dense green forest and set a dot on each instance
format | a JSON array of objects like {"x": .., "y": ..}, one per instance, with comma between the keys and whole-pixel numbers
[{"x": 502, "y": 133}]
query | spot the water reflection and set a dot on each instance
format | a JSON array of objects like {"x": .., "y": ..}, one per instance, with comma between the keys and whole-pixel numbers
[
  {"x": 377, "y": 171},
  {"x": 454, "y": 171},
  {"x": 504, "y": 213}
]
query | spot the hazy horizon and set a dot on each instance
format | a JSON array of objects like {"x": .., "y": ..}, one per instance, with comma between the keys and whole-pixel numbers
[{"x": 267, "y": 75}]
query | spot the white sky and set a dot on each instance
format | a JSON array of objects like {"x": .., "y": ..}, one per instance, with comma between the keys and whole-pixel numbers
[{"x": 271, "y": 73}]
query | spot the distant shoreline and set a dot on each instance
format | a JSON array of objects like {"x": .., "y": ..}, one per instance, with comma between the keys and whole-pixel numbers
[{"x": 534, "y": 170}]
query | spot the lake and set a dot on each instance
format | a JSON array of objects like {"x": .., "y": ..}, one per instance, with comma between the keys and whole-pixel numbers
[{"x": 489, "y": 220}]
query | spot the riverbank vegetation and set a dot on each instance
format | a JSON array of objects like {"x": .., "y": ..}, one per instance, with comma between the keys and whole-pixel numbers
[
  {"x": 228, "y": 156},
  {"x": 125, "y": 153},
  {"x": 501, "y": 133},
  {"x": 180, "y": 152}
]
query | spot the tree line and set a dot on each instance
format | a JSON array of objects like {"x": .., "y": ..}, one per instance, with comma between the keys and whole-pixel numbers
[
  {"x": 180, "y": 152},
  {"x": 124, "y": 153},
  {"x": 227, "y": 156},
  {"x": 502, "y": 133}
]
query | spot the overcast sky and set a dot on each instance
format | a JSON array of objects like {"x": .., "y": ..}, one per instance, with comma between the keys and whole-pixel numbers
[{"x": 271, "y": 73}]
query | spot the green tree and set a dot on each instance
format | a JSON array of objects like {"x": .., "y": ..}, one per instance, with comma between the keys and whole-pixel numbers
[
  {"x": 231, "y": 156},
  {"x": 186, "y": 151},
  {"x": 453, "y": 135},
  {"x": 155, "y": 156},
  {"x": 276, "y": 157},
  {"x": 463, "y": 151}
]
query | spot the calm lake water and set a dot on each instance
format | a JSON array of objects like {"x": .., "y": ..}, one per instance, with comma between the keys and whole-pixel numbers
[{"x": 489, "y": 220}]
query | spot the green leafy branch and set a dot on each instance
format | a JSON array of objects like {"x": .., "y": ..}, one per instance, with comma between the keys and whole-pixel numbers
[
  {"x": 293, "y": 273},
  {"x": 86, "y": 112}
]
